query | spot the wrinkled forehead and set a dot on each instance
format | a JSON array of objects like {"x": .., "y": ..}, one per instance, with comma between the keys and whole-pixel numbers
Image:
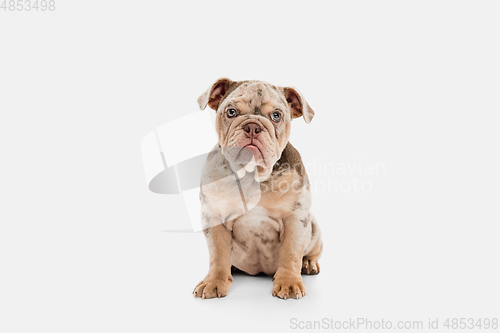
[{"x": 255, "y": 94}]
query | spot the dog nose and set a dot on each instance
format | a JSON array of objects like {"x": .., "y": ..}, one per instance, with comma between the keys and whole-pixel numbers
[{"x": 252, "y": 128}]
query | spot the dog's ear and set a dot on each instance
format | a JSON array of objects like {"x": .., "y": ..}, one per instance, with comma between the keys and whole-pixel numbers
[
  {"x": 298, "y": 105},
  {"x": 215, "y": 94}
]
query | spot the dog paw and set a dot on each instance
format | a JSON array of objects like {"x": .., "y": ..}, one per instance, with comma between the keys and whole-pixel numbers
[
  {"x": 288, "y": 285},
  {"x": 212, "y": 287},
  {"x": 310, "y": 267}
]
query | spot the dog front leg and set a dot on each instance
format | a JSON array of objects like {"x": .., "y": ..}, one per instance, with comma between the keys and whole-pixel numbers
[
  {"x": 219, "y": 278},
  {"x": 287, "y": 279}
]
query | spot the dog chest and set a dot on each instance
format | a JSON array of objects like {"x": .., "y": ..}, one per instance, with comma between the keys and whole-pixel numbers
[{"x": 256, "y": 242}]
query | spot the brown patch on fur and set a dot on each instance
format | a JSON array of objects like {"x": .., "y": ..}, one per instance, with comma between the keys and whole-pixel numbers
[
  {"x": 283, "y": 188},
  {"x": 232, "y": 87},
  {"x": 291, "y": 159},
  {"x": 242, "y": 243},
  {"x": 266, "y": 240}
]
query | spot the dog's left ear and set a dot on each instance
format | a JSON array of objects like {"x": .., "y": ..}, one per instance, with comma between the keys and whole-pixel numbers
[
  {"x": 298, "y": 105},
  {"x": 215, "y": 94}
]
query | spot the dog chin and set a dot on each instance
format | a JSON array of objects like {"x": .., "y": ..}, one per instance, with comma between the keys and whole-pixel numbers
[
  {"x": 243, "y": 155},
  {"x": 248, "y": 161}
]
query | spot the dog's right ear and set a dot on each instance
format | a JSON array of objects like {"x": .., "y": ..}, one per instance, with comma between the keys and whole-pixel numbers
[
  {"x": 215, "y": 94},
  {"x": 298, "y": 105}
]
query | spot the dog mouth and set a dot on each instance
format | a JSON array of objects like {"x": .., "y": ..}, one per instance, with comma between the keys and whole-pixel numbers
[
  {"x": 254, "y": 149},
  {"x": 244, "y": 154}
]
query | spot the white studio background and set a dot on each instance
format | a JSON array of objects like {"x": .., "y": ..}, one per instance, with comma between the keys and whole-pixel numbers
[{"x": 410, "y": 86}]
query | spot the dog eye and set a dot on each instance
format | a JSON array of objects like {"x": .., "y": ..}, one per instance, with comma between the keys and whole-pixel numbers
[
  {"x": 231, "y": 113},
  {"x": 275, "y": 116}
]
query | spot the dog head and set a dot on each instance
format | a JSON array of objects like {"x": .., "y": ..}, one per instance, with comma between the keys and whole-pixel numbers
[{"x": 253, "y": 120}]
